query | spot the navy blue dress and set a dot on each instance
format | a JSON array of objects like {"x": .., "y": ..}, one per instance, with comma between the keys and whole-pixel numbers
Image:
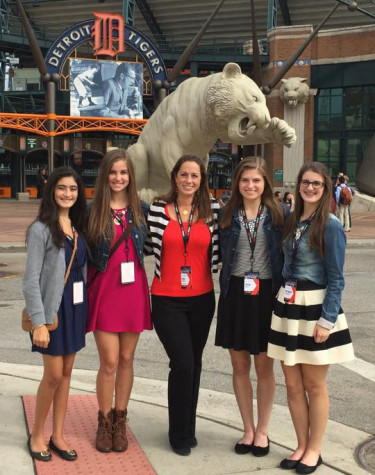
[{"x": 69, "y": 336}]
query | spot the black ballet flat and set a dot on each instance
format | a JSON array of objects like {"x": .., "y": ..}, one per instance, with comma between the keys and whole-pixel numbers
[
  {"x": 69, "y": 455},
  {"x": 242, "y": 449},
  {"x": 184, "y": 451},
  {"x": 303, "y": 468},
  {"x": 287, "y": 464},
  {"x": 261, "y": 451},
  {"x": 193, "y": 442},
  {"x": 43, "y": 456}
]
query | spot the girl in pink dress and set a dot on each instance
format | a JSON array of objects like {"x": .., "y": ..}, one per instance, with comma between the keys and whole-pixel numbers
[{"x": 119, "y": 304}]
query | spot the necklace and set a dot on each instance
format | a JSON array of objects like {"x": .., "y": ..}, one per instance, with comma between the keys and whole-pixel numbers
[{"x": 185, "y": 212}]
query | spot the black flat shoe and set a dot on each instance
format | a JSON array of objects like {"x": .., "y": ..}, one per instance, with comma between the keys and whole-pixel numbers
[
  {"x": 261, "y": 451},
  {"x": 69, "y": 455},
  {"x": 303, "y": 468},
  {"x": 242, "y": 449},
  {"x": 193, "y": 442},
  {"x": 43, "y": 456},
  {"x": 287, "y": 464},
  {"x": 182, "y": 450}
]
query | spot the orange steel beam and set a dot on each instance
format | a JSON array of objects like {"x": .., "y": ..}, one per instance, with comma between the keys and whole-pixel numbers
[{"x": 66, "y": 124}]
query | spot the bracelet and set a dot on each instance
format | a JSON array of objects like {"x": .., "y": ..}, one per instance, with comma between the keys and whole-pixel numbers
[{"x": 37, "y": 326}]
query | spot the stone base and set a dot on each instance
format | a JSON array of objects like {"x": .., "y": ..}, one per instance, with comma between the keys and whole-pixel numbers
[
  {"x": 362, "y": 203},
  {"x": 23, "y": 196}
]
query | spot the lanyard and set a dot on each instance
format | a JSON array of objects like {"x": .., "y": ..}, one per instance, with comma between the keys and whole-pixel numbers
[
  {"x": 252, "y": 237},
  {"x": 298, "y": 233},
  {"x": 185, "y": 236},
  {"x": 120, "y": 220}
]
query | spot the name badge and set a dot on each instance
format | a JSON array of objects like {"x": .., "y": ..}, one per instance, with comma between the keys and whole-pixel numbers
[
  {"x": 77, "y": 292},
  {"x": 290, "y": 290},
  {"x": 127, "y": 272},
  {"x": 185, "y": 277},
  {"x": 251, "y": 283}
]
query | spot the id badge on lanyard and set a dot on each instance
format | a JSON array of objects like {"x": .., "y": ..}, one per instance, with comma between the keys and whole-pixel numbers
[
  {"x": 251, "y": 278},
  {"x": 290, "y": 290},
  {"x": 186, "y": 277},
  {"x": 77, "y": 292},
  {"x": 127, "y": 272},
  {"x": 185, "y": 270},
  {"x": 251, "y": 283}
]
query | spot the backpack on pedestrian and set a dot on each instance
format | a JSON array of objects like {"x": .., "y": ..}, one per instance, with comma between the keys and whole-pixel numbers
[{"x": 345, "y": 196}]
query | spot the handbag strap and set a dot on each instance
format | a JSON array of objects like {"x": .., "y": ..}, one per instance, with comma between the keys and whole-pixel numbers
[
  {"x": 72, "y": 257},
  {"x": 124, "y": 236}
]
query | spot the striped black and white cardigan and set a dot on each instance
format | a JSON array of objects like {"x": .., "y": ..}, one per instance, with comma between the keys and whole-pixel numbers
[{"x": 157, "y": 222}]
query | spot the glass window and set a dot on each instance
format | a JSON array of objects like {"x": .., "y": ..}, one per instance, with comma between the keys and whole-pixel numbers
[
  {"x": 336, "y": 105},
  {"x": 369, "y": 107},
  {"x": 328, "y": 152}
]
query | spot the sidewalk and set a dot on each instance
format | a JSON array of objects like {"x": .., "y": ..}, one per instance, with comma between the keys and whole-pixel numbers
[
  {"x": 218, "y": 429},
  {"x": 219, "y": 424},
  {"x": 15, "y": 216}
]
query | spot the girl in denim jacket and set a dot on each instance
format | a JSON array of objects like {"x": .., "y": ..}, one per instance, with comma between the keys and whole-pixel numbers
[
  {"x": 119, "y": 303},
  {"x": 250, "y": 244},
  {"x": 309, "y": 329}
]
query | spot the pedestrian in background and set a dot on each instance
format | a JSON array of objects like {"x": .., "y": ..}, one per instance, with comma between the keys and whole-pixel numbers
[
  {"x": 250, "y": 243},
  {"x": 279, "y": 198},
  {"x": 288, "y": 199},
  {"x": 119, "y": 305},
  {"x": 343, "y": 199},
  {"x": 309, "y": 329},
  {"x": 183, "y": 226},
  {"x": 352, "y": 191},
  {"x": 56, "y": 251},
  {"x": 41, "y": 180}
]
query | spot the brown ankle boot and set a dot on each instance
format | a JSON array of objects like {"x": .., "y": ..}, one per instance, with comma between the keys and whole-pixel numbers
[
  {"x": 104, "y": 432},
  {"x": 119, "y": 440}
]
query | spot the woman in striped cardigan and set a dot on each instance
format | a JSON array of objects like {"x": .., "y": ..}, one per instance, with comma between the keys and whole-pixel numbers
[{"x": 184, "y": 240}]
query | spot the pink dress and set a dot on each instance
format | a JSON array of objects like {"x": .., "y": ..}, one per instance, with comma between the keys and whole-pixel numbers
[{"x": 116, "y": 307}]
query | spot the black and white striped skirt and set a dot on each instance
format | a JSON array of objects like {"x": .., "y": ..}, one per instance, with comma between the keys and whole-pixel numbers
[{"x": 292, "y": 326}]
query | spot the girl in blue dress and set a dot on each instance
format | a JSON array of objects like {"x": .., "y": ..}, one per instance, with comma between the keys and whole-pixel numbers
[{"x": 54, "y": 283}]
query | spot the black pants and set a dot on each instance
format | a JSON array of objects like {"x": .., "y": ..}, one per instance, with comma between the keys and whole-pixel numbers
[{"x": 183, "y": 325}]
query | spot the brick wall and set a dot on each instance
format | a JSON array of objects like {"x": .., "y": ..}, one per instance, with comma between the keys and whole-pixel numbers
[{"x": 330, "y": 46}]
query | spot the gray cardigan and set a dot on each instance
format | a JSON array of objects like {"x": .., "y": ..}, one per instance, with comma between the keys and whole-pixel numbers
[{"x": 43, "y": 281}]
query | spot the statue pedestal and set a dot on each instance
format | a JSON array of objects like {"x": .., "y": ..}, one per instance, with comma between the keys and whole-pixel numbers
[
  {"x": 294, "y": 156},
  {"x": 23, "y": 196}
]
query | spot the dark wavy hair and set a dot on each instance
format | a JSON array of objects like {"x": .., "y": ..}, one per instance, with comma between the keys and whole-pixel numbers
[
  {"x": 316, "y": 232},
  {"x": 268, "y": 198},
  {"x": 49, "y": 211},
  {"x": 202, "y": 198}
]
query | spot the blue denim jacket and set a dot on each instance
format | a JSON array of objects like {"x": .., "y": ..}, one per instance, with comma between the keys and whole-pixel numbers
[
  {"x": 329, "y": 271},
  {"x": 99, "y": 255},
  {"x": 228, "y": 241}
]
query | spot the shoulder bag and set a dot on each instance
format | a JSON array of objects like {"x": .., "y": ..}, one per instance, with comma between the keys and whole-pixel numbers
[{"x": 27, "y": 324}]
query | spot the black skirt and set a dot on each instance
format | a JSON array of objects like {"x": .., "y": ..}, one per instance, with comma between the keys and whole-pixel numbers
[{"x": 244, "y": 321}]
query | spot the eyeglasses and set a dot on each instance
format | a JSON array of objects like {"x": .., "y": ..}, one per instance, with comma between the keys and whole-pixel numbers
[{"x": 315, "y": 184}]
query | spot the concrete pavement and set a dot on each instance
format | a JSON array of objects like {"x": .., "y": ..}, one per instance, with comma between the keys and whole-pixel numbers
[
  {"x": 219, "y": 427},
  {"x": 219, "y": 424}
]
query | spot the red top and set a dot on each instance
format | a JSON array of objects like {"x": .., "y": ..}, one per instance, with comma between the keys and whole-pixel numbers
[{"x": 172, "y": 259}]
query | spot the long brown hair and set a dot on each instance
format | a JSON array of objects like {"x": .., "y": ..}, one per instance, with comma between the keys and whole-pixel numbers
[
  {"x": 316, "y": 232},
  {"x": 268, "y": 198},
  {"x": 202, "y": 196},
  {"x": 100, "y": 209}
]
